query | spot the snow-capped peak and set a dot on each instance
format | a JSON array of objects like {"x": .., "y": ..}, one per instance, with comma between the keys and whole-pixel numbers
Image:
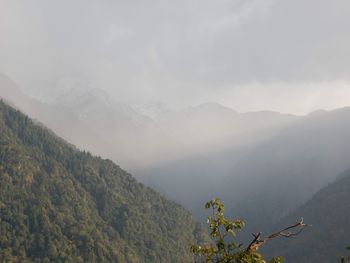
[{"x": 155, "y": 110}]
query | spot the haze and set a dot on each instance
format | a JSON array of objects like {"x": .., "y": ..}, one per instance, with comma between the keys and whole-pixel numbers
[
  {"x": 244, "y": 100},
  {"x": 289, "y": 56}
]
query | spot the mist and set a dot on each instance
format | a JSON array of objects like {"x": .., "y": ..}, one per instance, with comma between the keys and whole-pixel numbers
[
  {"x": 154, "y": 85},
  {"x": 244, "y": 100},
  {"x": 286, "y": 56}
]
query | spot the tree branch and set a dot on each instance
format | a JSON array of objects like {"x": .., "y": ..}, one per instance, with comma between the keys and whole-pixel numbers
[{"x": 257, "y": 242}]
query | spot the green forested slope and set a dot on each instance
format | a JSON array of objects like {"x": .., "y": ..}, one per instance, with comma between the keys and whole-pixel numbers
[
  {"x": 329, "y": 213},
  {"x": 58, "y": 204}
]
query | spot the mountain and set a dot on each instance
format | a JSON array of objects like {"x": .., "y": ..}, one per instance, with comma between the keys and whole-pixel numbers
[
  {"x": 182, "y": 153},
  {"x": 87, "y": 117},
  {"x": 150, "y": 135},
  {"x": 210, "y": 139},
  {"x": 58, "y": 204},
  {"x": 284, "y": 172},
  {"x": 155, "y": 110},
  {"x": 57, "y": 118},
  {"x": 127, "y": 132},
  {"x": 328, "y": 211},
  {"x": 211, "y": 125},
  {"x": 92, "y": 104}
]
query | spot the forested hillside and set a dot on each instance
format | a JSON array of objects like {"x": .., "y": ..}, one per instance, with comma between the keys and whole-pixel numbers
[
  {"x": 286, "y": 171},
  {"x": 58, "y": 204},
  {"x": 329, "y": 213}
]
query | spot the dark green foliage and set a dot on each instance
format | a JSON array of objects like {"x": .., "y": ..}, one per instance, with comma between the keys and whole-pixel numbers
[
  {"x": 225, "y": 249},
  {"x": 346, "y": 258},
  {"x": 58, "y": 204}
]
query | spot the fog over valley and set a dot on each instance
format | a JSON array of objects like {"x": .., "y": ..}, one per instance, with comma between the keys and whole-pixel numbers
[{"x": 140, "y": 112}]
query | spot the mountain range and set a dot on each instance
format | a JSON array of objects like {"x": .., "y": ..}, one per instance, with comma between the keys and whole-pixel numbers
[
  {"x": 161, "y": 146},
  {"x": 297, "y": 162},
  {"x": 59, "y": 204},
  {"x": 268, "y": 167}
]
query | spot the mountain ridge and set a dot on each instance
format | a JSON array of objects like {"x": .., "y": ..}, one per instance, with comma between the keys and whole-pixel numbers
[
  {"x": 327, "y": 212},
  {"x": 59, "y": 204},
  {"x": 298, "y": 162}
]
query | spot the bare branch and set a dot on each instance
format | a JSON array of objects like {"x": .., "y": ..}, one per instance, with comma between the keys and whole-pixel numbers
[{"x": 257, "y": 242}]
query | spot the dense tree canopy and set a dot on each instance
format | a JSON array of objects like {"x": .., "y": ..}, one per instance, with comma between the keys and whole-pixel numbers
[{"x": 58, "y": 204}]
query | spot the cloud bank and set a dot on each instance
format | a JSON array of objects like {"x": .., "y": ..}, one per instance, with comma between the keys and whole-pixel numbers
[{"x": 184, "y": 52}]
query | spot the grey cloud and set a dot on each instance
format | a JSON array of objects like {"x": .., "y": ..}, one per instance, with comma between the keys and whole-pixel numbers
[{"x": 174, "y": 50}]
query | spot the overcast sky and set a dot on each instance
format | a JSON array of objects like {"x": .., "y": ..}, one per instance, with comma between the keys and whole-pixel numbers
[{"x": 283, "y": 55}]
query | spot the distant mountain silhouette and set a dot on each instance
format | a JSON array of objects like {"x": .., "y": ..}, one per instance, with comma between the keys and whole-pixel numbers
[
  {"x": 284, "y": 172},
  {"x": 328, "y": 211}
]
